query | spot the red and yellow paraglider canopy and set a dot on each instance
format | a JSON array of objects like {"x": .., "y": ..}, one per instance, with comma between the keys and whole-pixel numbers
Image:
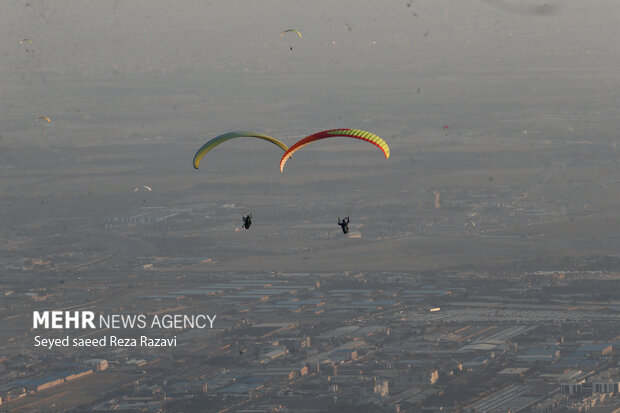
[{"x": 332, "y": 133}]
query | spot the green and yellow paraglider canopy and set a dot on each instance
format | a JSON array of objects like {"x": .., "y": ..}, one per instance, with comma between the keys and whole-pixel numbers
[
  {"x": 291, "y": 31},
  {"x": 231, "y": 135}
]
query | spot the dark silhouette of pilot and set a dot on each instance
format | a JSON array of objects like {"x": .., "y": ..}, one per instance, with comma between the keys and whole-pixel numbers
[
  {"x": 247, "y": 221},
  {"x": 344, "y": 224}
]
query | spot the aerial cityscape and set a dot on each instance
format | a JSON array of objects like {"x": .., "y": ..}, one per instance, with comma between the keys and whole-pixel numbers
[{"x": 270, "y": 206}]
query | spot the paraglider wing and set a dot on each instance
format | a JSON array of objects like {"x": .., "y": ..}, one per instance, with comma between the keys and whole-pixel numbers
[
  {"x": 40, "y": 118},
  {"x": 291, "y": 30},
  {"x": 348, "y": 133},
  {"x": 25, "y": 41},
  {"x": 230, "y": 135}
]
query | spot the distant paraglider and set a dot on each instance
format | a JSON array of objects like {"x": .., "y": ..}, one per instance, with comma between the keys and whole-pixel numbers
[
  {"x": 143, "y": 188},
  {"x": 230, "y": 135},
  {"x": 292, "y": 31},
  {"x": 26, "y": 43},
  {"x": 43, "y": 121},
  {"x": 347, "y": 133}
]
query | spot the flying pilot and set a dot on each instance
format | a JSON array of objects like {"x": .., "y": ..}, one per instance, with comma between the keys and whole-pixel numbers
[{"x": 247, "y": 221}]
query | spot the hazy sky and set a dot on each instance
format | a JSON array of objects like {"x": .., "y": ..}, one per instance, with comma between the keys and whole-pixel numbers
[
  {"x": 155, "y": 79},
  {"x": 101, "y": 38},
  {"x": 358, "y": 61}
]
